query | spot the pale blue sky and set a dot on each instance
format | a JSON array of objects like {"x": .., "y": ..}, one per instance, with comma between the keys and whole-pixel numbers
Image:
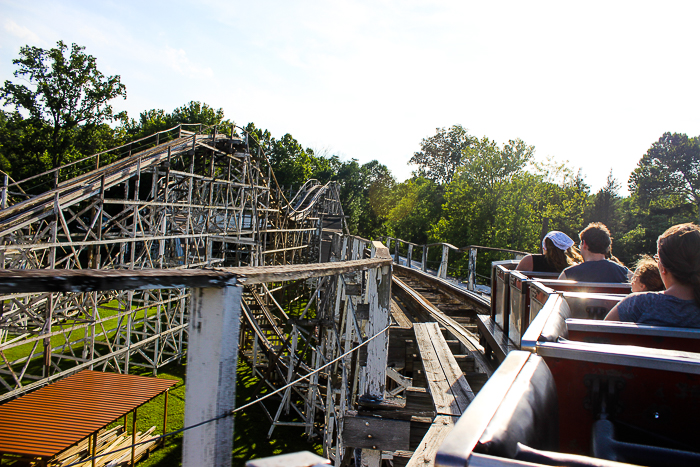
[{"x": 594, "y": 83}]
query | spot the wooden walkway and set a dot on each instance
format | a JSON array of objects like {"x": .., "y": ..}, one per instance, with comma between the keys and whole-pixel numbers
[{"x": 447, "y": 385}]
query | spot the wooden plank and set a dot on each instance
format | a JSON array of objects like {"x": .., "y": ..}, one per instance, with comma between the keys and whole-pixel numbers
[
  {"x": 469, "y": 340},
  {"x": 399, "y": 316},
  {"x": 83, "y": 280},
  {"x": 455, "y": 377},
  {"x": 446, "y": 382},
  {"x": 384, "y": 434},
  {"x": 424, "y": 455}
]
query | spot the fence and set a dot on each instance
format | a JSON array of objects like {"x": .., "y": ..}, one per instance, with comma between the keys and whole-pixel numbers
[{"x": 442, "y": 271}]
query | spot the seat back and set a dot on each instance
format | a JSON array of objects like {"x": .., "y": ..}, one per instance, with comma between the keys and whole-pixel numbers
[
  {"x": 653, "y": 392},
  {"x": 519, "y": 311},
  {"x": 539, "y": 293},
  {"x": 517, "y": 404},
  {"x": 550, "y": 323},
  {"x": 641, "y": 335},
  {"x": 590, "y": 287}
]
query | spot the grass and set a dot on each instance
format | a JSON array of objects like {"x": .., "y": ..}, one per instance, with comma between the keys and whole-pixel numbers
[
  {"x": 250, "y": 426},
  {"x": 59, "y": 341}
]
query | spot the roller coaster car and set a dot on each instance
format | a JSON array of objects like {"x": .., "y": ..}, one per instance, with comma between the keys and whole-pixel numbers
[
  {"x": 580, "y": 404},
  {"x": 518, "y": 296},
  {"x": 578, "y": 316}
]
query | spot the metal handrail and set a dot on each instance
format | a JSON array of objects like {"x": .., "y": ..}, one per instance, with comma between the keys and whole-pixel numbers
[{"x": 442, "y": 270}]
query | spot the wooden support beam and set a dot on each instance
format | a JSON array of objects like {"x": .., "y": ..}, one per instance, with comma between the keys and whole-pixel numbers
[
  {"x": 379, "y": 299},
  {"x": 211, "y": 375},
  {"x": 442, "y": 272},
  {"x": 424, "y": 456}
]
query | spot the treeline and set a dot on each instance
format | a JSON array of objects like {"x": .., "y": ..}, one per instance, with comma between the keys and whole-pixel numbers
[
  {"x": 465, "y": 190},
  {"x": 473, "y": 191}
]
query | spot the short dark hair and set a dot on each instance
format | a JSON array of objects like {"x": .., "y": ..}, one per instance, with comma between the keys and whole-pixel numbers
[{"x": 597, "y": 238}]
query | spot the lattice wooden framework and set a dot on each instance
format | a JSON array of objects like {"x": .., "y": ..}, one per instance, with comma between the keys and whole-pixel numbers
[{"x": 178, "y": 199}]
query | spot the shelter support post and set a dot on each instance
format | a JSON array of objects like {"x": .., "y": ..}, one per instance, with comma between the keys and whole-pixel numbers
[
  {"x": 211, "y": 375},
  {"x": 133, "y": 439},
  {"x": 94, "y": 449},
  {"x": 165, "y": 413}
]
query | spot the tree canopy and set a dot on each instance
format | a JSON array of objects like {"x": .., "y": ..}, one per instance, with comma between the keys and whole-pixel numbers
[
  {"x": 464, "y": 191},
  {"x": 441, "y": 154},
  {"x": 670, "y": 168},
  {"x": 66, "y": 100}
]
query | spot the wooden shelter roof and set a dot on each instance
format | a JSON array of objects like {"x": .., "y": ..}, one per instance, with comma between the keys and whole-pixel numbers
[{"x": 51, "y": 419}]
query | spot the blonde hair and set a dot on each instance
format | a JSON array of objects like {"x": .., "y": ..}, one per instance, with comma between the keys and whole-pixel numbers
[{"x": 647, "y": 272}]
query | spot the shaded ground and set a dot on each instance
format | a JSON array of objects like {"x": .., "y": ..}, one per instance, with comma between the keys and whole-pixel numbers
[{"x": 250, "y": 426}]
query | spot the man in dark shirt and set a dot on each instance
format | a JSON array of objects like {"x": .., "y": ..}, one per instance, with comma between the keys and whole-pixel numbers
[{"x": 595, "y": 248}]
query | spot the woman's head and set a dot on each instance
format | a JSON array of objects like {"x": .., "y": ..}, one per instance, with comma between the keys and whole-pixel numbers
[
  {"x": 646, "y": 276},
  {"x": 559, "y": 250},
  {"x": 679, "y": 254}
]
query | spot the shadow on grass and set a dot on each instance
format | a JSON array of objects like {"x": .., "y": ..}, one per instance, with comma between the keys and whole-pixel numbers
[{"x": 250, "y": 425}]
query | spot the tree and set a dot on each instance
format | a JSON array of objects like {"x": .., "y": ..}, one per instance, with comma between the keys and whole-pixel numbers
[
  {"x": 416, "y": 208},
  {"x": 441, "y": 154},
  {"x": 67, "y": 97},
  {"x": 486, "y": 166},
  {"x": 606, "y": 206},
  {"x": 670, "y": 168},
  {"x": 366, "y": 196},
  {"x": 155, "y": 120}
]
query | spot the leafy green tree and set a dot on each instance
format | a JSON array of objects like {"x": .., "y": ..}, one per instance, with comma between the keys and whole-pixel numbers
[
  {"x": 485, "y": 165},
  {"x": 441, "y": 154},
  {"x": 417, "y": 207},
  {"x": 366, "y": 196},
  {"x": 670, "y": 168},
  {"x": 291, "y": 163},
  {"x": 155, "y": 120},
  {"x": 606, "y": 203},
  {"x": 66, "y": 101},
  {"x": 497, "y": 199}
]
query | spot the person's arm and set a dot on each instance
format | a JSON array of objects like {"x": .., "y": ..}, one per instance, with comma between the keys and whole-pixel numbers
[
  {"x": 562, "y": 276},
  {"x": 525, "y": 264},
  {"x": 613, "y": 315},
  {"x": 628, "y": 309}
]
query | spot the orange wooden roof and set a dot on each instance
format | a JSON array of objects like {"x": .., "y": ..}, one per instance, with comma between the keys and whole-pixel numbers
[{"x": 44, "y": 422}]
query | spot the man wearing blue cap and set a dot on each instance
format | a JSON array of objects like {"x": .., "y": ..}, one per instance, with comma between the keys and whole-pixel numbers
[{"x": 596, "y": 267}]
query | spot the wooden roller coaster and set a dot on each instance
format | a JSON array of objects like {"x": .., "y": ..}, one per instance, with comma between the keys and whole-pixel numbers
[{"x": 182, "y": 245}]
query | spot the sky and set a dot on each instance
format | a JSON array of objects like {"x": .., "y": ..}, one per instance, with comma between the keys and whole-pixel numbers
[{"x": 593, "y": 84}]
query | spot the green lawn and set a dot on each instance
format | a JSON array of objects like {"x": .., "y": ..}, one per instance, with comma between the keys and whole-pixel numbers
[{"x": 250, "y": 426}]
